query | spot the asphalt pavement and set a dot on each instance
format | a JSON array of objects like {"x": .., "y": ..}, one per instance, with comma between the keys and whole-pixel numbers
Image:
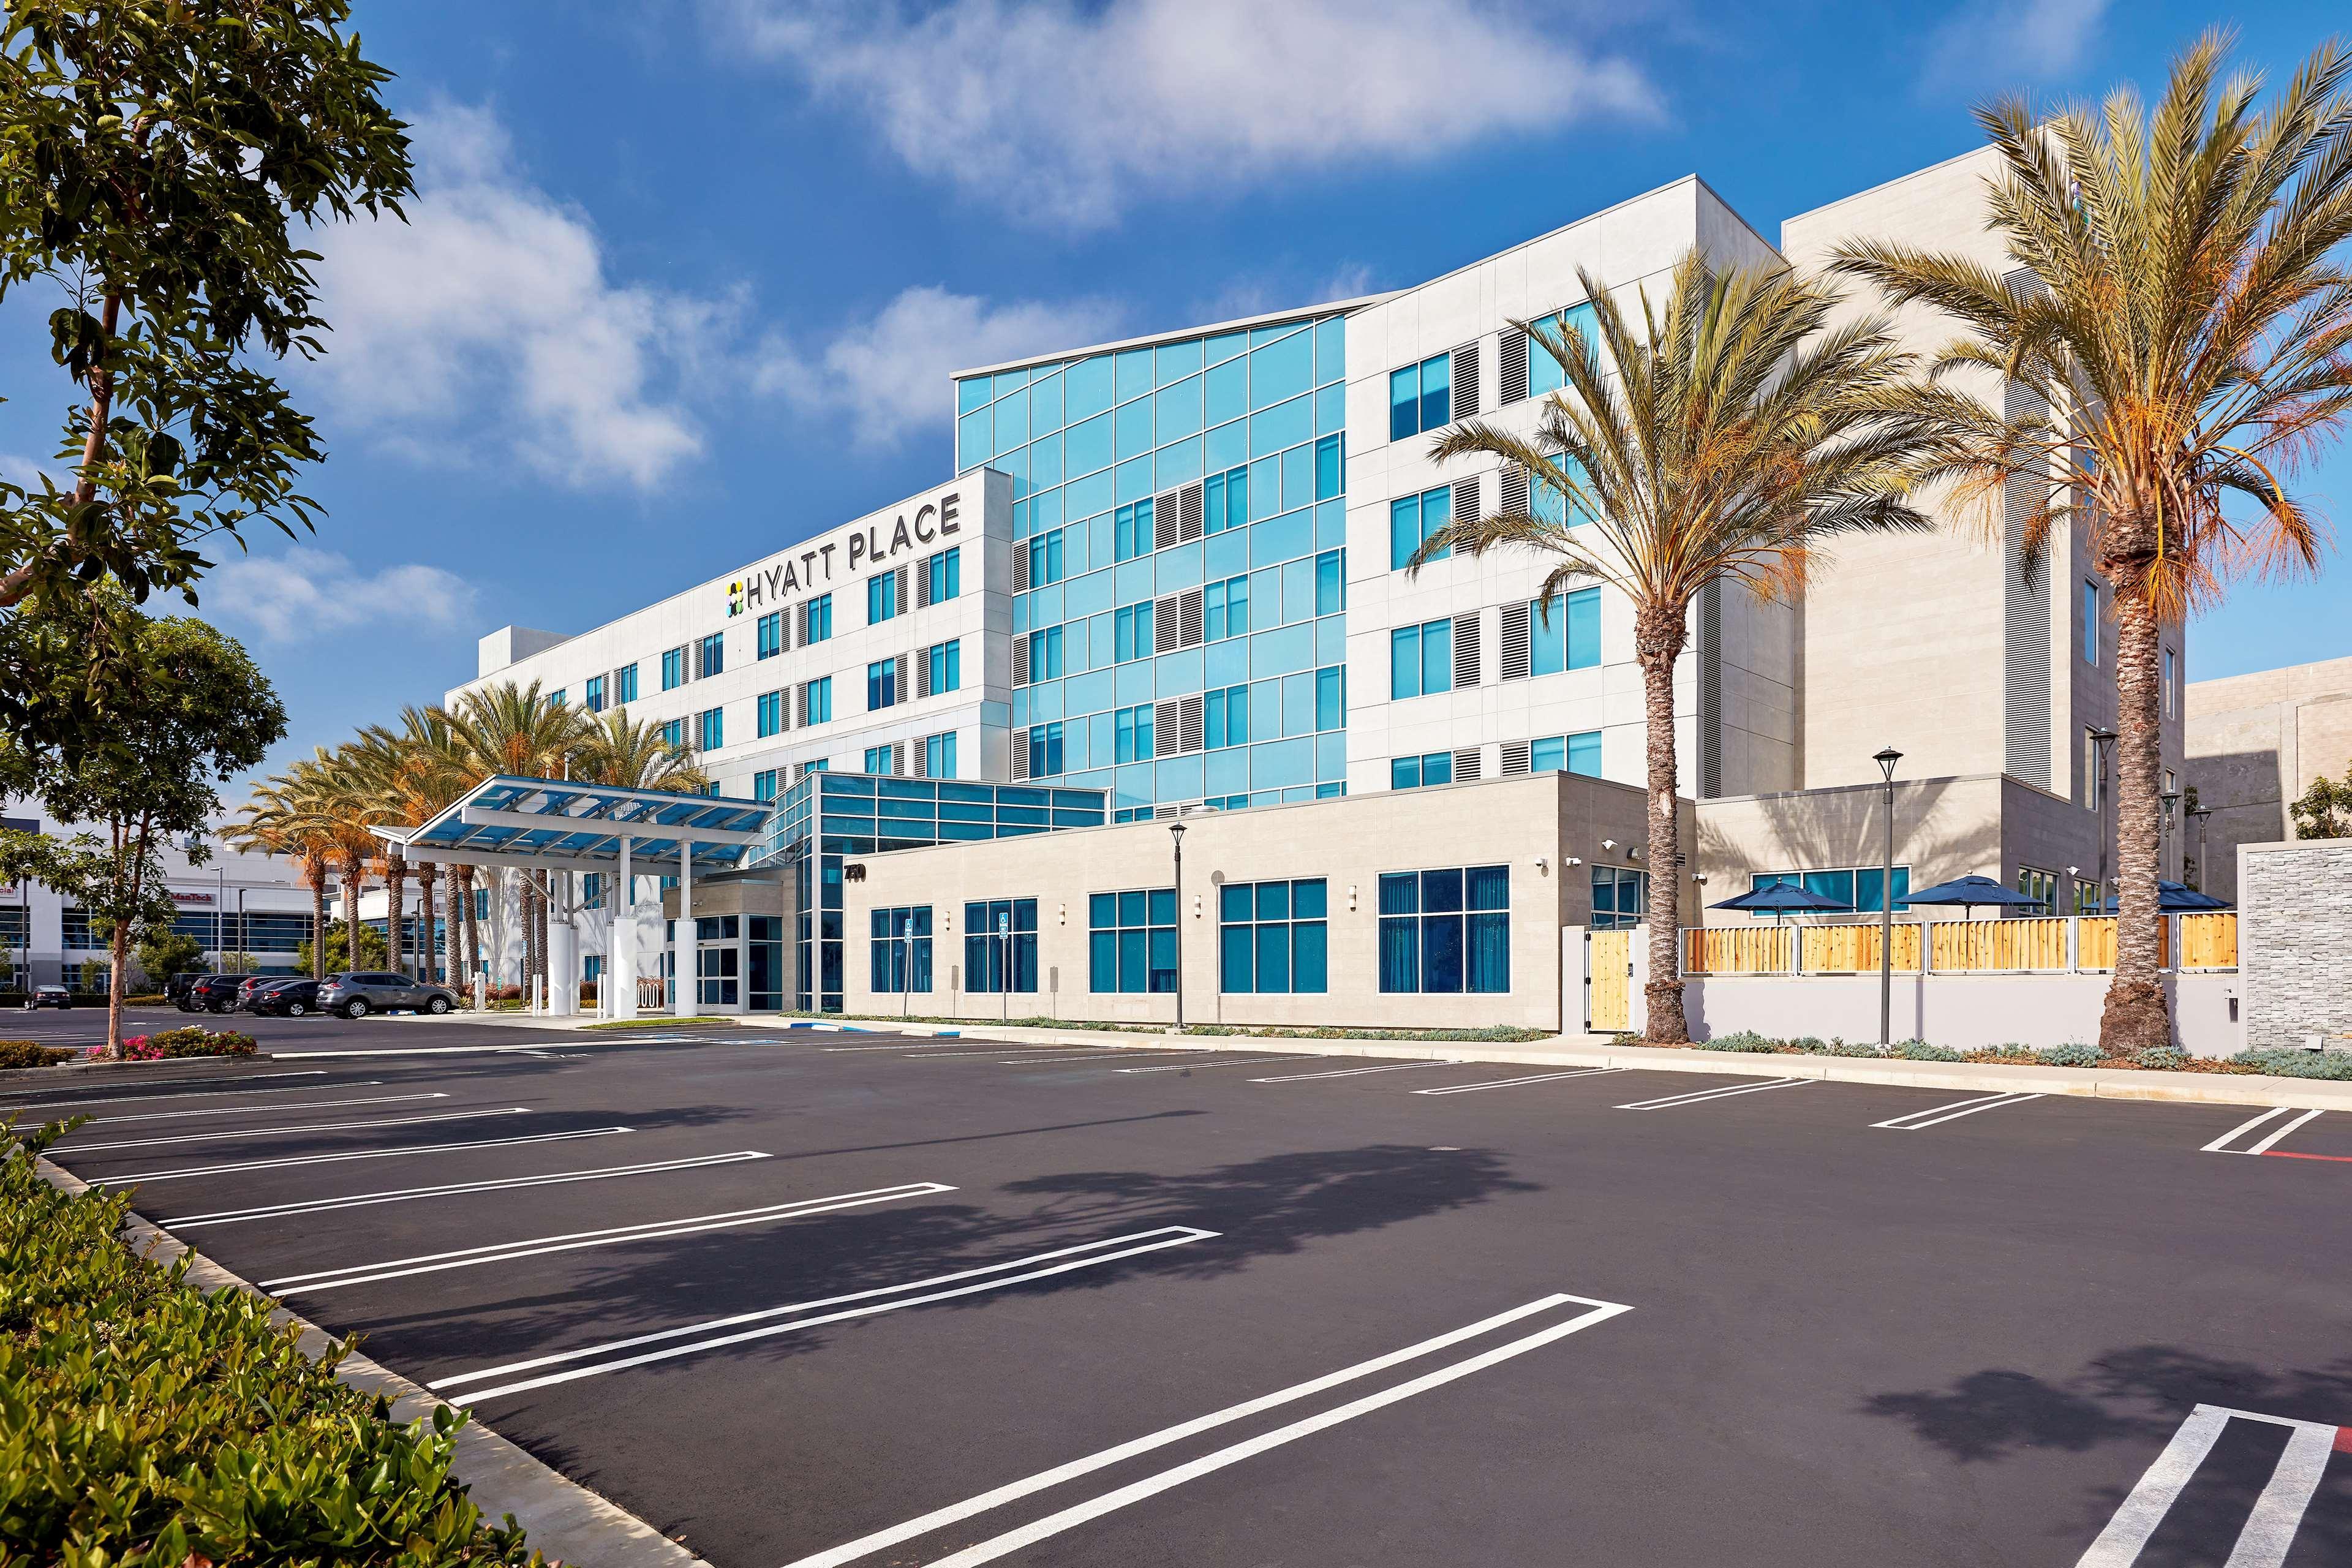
[{"x": 815, "y": 1300}]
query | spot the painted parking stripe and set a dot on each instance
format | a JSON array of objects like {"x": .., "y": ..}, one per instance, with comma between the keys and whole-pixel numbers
[
  {"x": 485, "y": 1050},
  {"x": 452, "y": 1189},
  {"x": 1112, "y": 1056},
  {"x": 283, "y": 1131},
  {"x": 1935, "y": 1115},
  {"x": 2269, "y": 1530},
  {"x": 2267, "y": 1143},
  {"x": 1352, "y": 1072},
  {"x": 257, "y": 1110},
  {"x": 1136, "y": 1491},
  {"x": 1188, "y": 1066},
  {"x": 508, "y": 1252},
  {"x": 356, "y": 1154},
  {"x": 938, "y": 1519},
  {"x": 1520, "y": 1082},
  {"x": 1726, "y": 1092},
  {"x": 230, "y": 1086},
  {"x": 993, "y": 1277},
  {"x": 909, "y": 1046}
]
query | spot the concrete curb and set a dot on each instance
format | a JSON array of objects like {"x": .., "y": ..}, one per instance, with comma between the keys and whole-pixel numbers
[{"x": 563, "y": 1519}]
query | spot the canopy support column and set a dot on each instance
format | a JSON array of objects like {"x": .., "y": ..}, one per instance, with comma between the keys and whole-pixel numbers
[
  {"x": 686, "y": 988},
  {"x": 620, "y": 943}
]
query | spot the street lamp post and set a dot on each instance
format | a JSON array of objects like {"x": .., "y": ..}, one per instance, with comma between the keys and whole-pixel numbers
[
  {"x": 2101, "y": 741},
  {"x": 2197, "y": 815},
  {"x": 1176, "y": 838},
  {"x": 1886, "y": 760},
  {"x": 2171, "y": 799}
]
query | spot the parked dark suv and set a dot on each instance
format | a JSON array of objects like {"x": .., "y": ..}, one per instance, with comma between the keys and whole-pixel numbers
[
  {"x": 285, "y": 999},
  {"x": 176, "y": 988},
  {"x": 358, "y": 993},
  {"x": 215, "y": 994}
]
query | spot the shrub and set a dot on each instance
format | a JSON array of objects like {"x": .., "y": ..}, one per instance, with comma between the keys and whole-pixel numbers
[
  {"x": 150, "y": 1425},
  {"x": 2161, "y": 1059},
  {"x": 1921, "y": 1051},
  {"x": 2298, "y": 1064},
  {"x": 193, "y": 1040},
  {"x": 1739, "y": 1040},
  {"x": 30, "y": 1054},
  {"x": 2074, "y": 1054}
]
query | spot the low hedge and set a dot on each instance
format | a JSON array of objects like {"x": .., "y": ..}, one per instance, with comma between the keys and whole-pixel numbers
[
  {"x": 189, "y": 1040},
  {"x": 30, "y": 1054},
  {"x": 2334, "y": 1065},
  {"x": 145, "y": 1424},
  {"x": 1493, "y": 1034}
]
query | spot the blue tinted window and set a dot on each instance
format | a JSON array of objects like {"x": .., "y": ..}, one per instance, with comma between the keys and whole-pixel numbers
[
  {"x": 1281, "y": 370},
  {"x": 1173, "y": 362},
  {"x": 1228, "y": 391},
  {"x": 1285, "y": 424},
  {"x": 1132, "y": 942},
  {"x": 1543, "y": 372},
  {"x": 1134, "y": 373},
  {"x": 972, "y": 444},
  {"x": 1086, "y": 446},
  {"x": 1086, "y": 387},
  {"x": 1012, "y": 422},
  {"x": 971, "y": 392},
  {"x": 1177, "y": 410},
  {"x": 1272, "y": 938},
  {"x": 1134, "y": 422}
]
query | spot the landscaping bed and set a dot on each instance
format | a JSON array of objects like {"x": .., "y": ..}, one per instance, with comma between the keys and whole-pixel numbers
[
  {"x": 1497, "y": 1035},
  {"x": 2270, "y": 1063},
  {"x": 145, "y": 1424}
]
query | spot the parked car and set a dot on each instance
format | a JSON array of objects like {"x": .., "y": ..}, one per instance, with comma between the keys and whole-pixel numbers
[
  {"x": 357, "y": 993},
  {"x": 255, "y": 984},
  {"x": 215, "y": 993},
  {"x": 56, "y": 996},
  {"x": 176, "y": 988},
  {"x": 286, "y": 999}
]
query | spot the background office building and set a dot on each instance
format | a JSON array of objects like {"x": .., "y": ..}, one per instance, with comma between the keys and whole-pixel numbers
[{"x": 1177, "y": 577}]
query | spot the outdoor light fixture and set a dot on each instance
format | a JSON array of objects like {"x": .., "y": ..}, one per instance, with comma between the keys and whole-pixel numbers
[
  {"x": 1565, "y": 861},
  {"x": 2102, "y": 741},
  {"x": 1539, "y": 865},
  {"x": 1886, "y": 758},
  {"x": 1352, "y": 897},
  {"x": 1609, "y": 844}
]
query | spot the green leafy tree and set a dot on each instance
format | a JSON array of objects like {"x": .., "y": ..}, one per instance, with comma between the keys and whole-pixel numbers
[
  {"x": 196, "y": 713},
  {"x": 162, "y": 162},
  {"x": 336, "y": 957},
  {"x": 164, "y": 952},
  {"x": 2188, "y": 331},
  {"x": 2325, "y": 810}
]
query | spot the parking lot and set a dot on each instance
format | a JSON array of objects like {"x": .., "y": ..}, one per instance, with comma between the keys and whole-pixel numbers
[{"x": 806, "y": 1299}]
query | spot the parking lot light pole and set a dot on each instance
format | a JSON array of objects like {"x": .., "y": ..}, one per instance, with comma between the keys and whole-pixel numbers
[
  {"x": 1176, "y": 835},
  {"x": 2101, "y": 740},
  {"x": 1886, "y": 760}
]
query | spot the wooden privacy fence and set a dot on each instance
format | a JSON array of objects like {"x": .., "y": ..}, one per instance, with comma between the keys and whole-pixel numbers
[{"x": 2041, "y": 944}]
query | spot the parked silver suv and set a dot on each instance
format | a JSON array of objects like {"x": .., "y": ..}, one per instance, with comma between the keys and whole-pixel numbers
[{"x": 357, "y": 993}]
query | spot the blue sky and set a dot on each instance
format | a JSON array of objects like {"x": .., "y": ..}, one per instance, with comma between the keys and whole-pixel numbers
[{"x": 685, "y": 279}]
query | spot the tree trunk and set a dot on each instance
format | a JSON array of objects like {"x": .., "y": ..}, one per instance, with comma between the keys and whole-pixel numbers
[
  {"x": 473, "y": 930},
  {"x": 395, "y": 890},
  {"x": 317, "y": 880},
  {"x": 355, "y": 873},
  {"x": 427, "y": 948},
  {"x": 1658, "y": 639},
  {"x": 524, "y": 906},
  {"x": 538, "y": 927},
  {"x": 2136, "y": 1017},
  {"x": 117, "y": 944}
]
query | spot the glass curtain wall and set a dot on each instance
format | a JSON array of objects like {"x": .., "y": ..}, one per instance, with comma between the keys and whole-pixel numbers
[{"x": 1257, "y": 419}]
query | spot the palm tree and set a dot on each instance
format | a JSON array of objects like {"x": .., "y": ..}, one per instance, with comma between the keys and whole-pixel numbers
[
  {"x": 273, "y": 823},
  {"x": 2189, "y": 332},
  {"x": 425, "y": 769},
  {"x": 1735, "y": 437},
  {"x": 618, "y": 750},
  {"x": 511, "y": 728}
]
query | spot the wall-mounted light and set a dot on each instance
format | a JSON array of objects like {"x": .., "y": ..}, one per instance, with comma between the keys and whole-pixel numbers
[
  {"x": 1196, "y": 906},
  {"x": 1632, "y": 852},
  {"x": 1351, "y": 895},
  {"x": 1568, "y": 860},
  {"x": 1540, "y": 865},
  {"x": 1609, "y": 844},
  {"x": 1700, "y": 879},
  {"x": 1061, "y": 914}
]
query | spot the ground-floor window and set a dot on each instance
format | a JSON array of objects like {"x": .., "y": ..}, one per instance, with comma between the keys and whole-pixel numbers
[
  {"x": 900, "y": 940},
  {"x": 2040, "y": 886},
  {"x": 1416, "y": 773},
  {"x": 1447, "y": 930},
  {"x": 1000, "y": 945},
  {"x": 1274, "y": 937},
  {"x": 1854, "y": 890},
  {"x": 1621, "y": 898},
  {"x": 1132, "y": 941},
  {"x": 717, "y": 964}
]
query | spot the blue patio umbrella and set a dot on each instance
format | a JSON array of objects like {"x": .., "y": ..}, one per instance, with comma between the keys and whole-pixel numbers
[
  {"x": 2174, "y": 899},
  {"x": 1780, "y": 899},
  {"x": 1971, "y": 891}
]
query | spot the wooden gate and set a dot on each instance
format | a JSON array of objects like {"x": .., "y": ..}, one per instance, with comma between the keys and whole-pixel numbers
[{"x": 1609, "y": 972}]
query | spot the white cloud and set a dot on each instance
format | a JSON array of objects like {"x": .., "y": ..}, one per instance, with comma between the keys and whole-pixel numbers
[
  {"x": 486, "y": 327},
  {"x": 1062, "y": 112},
  {"x": 301, "y": 593},
  {"x": 27, "y": 472},
  {"x": 1987, "y": 44},
  {"x": 888, "y": 377}
]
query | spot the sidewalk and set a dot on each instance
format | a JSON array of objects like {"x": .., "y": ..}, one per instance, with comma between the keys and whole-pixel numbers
[{"x": 1602, "y": 1050}]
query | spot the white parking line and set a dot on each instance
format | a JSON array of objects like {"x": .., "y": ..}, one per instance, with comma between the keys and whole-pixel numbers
[
  {"x": 2222, "y": 1145},
  {"x": 1245, "y": 1062},
  {"x": 1352, "y": 1072},
  {"x": 234, "y": 1086},
  {"x": 654, "y": 1230},
  {"x": 993, "y": 1277},
  {"x": 467, "y": 1050},
  {"x": 282, "y": 1132},
  {"x": 2269, "y": 1530},
  {"x": 1109, "y": 1056},
  {"x": 1724, "y": 1092},
  {"x": 1937, "y": 1115},
  {"x": 1521, "y": 1082},
  {"x": 938, "y": 1519},
  {"x": 355, "y": 1154},
  {"x": 894, "y": 1045},
  {"x": 404, "y": 1194},
  {"x": 292, "y": 1105}
]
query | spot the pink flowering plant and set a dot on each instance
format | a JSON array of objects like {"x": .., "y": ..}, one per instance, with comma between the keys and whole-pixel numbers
[{"x": 192, "y": 1041}]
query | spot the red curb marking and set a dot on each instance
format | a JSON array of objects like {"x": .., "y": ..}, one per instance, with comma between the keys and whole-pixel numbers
[
  {"x": 2344, "y": 1439},
  {"x": 2291, "y": 1154}
]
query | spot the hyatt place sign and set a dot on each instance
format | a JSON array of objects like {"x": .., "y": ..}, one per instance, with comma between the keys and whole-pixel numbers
[{"x": 772, "y": 585}]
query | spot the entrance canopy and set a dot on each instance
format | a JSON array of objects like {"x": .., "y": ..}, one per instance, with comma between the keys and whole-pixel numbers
[{"x": 560, "y": 824}]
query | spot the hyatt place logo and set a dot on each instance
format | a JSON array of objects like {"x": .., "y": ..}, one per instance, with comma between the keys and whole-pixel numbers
[{"x": 735, "y": 598}]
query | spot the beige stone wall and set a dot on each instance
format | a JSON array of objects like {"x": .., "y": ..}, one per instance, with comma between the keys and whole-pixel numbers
[
  {"x": 2254, "y": 743},
  {"x": 1547, "y": 818}
]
